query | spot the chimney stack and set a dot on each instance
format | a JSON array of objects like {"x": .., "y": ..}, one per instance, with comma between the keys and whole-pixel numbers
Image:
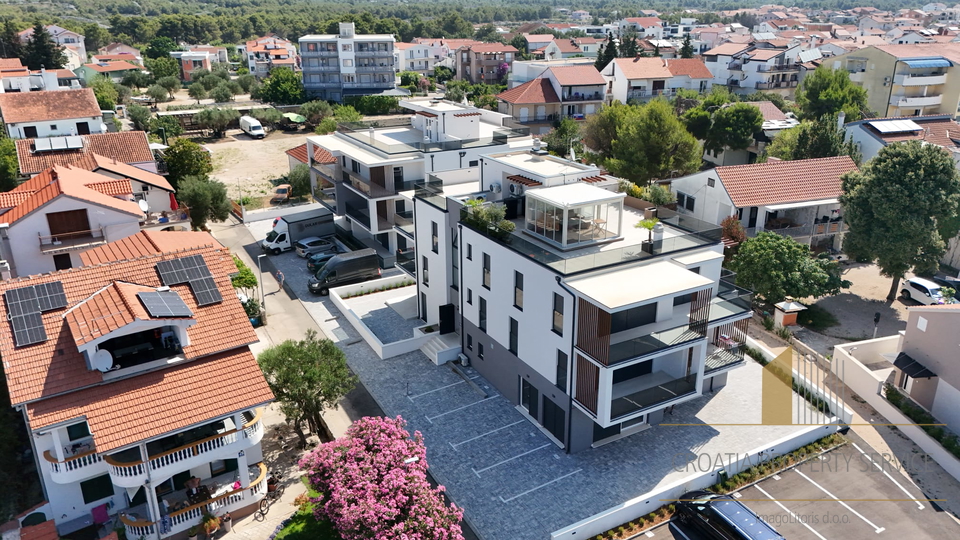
[{"x": 840, "y": 119}]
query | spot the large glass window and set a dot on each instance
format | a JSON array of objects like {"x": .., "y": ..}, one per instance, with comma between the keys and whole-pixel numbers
[
  {"x": 486, "y": 270},
  {"x": 572, "y": 226},
  {"x": 514, "y": 335},
  {"x": 558, "y": 314},
  {"x": 483, "y": 314},
  {"x": 96, "y": 489},
  {"x": 562, "y": 370},
  {"x": 518, "y": 290},
  {"x": 633, "y": 317}
]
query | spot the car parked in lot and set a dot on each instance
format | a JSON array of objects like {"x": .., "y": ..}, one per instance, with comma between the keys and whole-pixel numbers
[
  {"x": 924, "y": 291},
  {"x": 317, "y": 260},
  {"x": 344, "y": 269},
  {"x": 722, "y": 517},
  {"x": 313, "y": 244},
  {"x": 948, "y": 281}
]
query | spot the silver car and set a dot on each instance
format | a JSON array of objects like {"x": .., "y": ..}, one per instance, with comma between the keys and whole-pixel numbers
[{"x": 313, "y": 244}]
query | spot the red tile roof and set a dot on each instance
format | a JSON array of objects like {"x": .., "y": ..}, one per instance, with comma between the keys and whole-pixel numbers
[
  {"x": 593, "y": 179},
  {"x": 19, "y": 107},
  {"x": 107, "y": 67},
  {"x": 43, "y": 531},
  {"x": 492, "y": 48},
  {"x": 108, "y": 309},
  {"x": 566, "y": 46},
  {"x": 7, "y": 63},
  {"x": 130, "y": 410},
  {"x": 779, "y": 182},
  {"x": 56, "y": 366},
  {"x": 535, "y": 91},
  {"x": 937, "y": 130},
  {"x": 146, "y": 243},
  {"x": 690, "y": 67},
  {"x": 643, "y": 68},
  {"x": 765, "y": 54},
  {"x": 577, "y": 75},
  {"x": 114, "y": 57},
  {"x": 69, "y": 182},
  {"x": 463, "y": 115},
  {"x": 645, "y": 21},
  {"x": 320, "y": 155},
  {"x": 769, "y": 111},
  {"x": 97, "y": 163},
  {"x": 130, "y": 147},
  {"x": 727, "y": 49}
]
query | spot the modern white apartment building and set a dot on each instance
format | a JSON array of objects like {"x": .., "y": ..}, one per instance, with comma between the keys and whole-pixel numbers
[
  {"x": 748, "y": 68},
  {"x": 375, "y": 163},
  {"x": 347, "y": 64},
  {"x": 592, "y": 326},
  {"x": 134, "y": 378}
]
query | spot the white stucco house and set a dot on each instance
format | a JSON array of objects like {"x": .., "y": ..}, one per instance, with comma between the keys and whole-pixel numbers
[{"x": 50, "y": 114}]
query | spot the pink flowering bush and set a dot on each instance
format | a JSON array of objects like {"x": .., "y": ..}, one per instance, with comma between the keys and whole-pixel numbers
[{"x": 370, "y": 489}]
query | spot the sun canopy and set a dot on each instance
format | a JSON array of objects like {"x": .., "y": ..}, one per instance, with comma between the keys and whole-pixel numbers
[
  {"x": 911, "y": 367},
  {"x": 294, "y": 117},
  {"x": 934, "y": 63}
]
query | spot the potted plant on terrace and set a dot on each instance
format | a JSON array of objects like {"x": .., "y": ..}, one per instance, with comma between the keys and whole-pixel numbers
[
  {"x": 227, "y": 522},
  {"x": 210, "y": 524},
  {"x": 192, "y": 532}
]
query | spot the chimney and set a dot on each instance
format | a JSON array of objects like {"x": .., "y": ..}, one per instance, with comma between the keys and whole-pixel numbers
[{"x": 841, "y": 118}]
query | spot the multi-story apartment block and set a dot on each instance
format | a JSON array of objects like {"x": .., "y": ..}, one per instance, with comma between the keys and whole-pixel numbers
[
  {"x": 905, "y": 80},
  {"x": 592, "y": 326},
  {"x": 483, "y": 63},
  {"x": 744, "y": 69},
  {"x": 361, "y": 172},
  {"x": 647, "y": 78},
  {"x": 268, "y": 52},
  {"x": 651, "y": 27},
  {"x": 347, "y": 64},
  {"x": 141, "y": 397},
  {"x": 198, "y": 57},
  {"x": 559, "y": 92}
]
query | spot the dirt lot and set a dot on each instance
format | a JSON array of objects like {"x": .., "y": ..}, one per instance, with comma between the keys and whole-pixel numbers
[{"x": 249, "y": 164}]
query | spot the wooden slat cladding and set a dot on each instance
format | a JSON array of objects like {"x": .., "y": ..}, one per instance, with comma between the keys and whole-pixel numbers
[
  {"x": 378, "y": 177},
  {"x": 593, "y": 331},
  {"x": 588, "y": 383},
  {"x": 700, "y": 311}
]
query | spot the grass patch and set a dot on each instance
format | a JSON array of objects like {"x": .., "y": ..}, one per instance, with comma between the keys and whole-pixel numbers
[
  {"x": 816, "y": 318},
  {"x": 304, "y": 526}
]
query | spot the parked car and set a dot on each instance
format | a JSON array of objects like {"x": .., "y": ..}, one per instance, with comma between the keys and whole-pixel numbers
[
  {"x": 722, "y": 517},
  {"x": 281, "y": 194},
  {"x": 924, "y": 291},
  {"x": 316, "y": 261},
  {"x": 344, "y": 269},
  {"x": 948, "y": 281},
  {"x": 313, "y": 244}
]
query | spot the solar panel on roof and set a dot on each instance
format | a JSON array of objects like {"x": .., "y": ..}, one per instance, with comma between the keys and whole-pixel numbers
[
  {"x": 192, "y": 270},
  {"x": 41, "y": 145},
  {"x": 58, "y": 143},
  {"x": 163, "y": 304},
  {"x": 74, "y": 142},
  {"x": 895, "y": 126},
  {"x": 50, "y": 296},
  {"x": 23, "y": 310},
  {"x": 205, "y": 291},
  {"x": 171, "y": 272},
  {"x": 21, "y": 301}
]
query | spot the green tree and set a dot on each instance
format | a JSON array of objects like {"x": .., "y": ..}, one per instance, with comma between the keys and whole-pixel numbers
[
  {"x": 698, "y": 122},
  {"x": 454, "y": 94},
  {"x": 299, "y": 180},
  {"x": 488, "y": 33},
  {"x": 896, "y": 205},
  {"x": 170, "y": 84},
  {"x": 169, "y": 125},
  {"x": 628, "y": 46},
  {"x": 208, "y": 81},
  {"x": 197, "y": 92},
  {"x": 775, "y": 266},
  {"x": 246, "y": 82},
  {"x": 282, "y": 87},
  {"x": 600, "y": 130},
  {"x": 157, "y": 93},
  {"x": 199, "y": 73},
  {"x": 374, "y": 105},
  {"x": 657, "y": 194},
  {"x": 269, "y": 116},
  {"x": 42, "y": 51},
  {"x": 409, "y": 78},
  {"x": 139, "y": 116},
  {"x": 443, "y": 74},
  {"x": 814, "y": 139},
  {"x": 160, "y": 47},
  {"x": 10, "y": 46},
  {"x": 315, "y": 111},
  {"x": 105, "y": 92},
  {"x": 245, "y": 279},
  {"x": 686, "y": 50},
  {"x": 162, "y": 67},
  {"x": 346, "y": 113},
  {"x": 136, "y": 79},
  {"x": 9, "y": 166},
  {"x": 222, "y": 93},
  {"x": 206, "y": 199},
  {"x": 216, "y": 119},
  {"x": 733, "y": 127},
  {"x": 307, "y": 377},
  {"x": 654, "y": 144},
  {"x": 186, "y": 158},
  {"x": 327, "y": 125},
  {"x": 95, "y": 36},
  {"x": 564, "y": 137},
  {"x": 828, "y": 91}
]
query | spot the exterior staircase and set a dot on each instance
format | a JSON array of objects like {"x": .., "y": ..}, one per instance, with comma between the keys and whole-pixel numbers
[{"x": 442, "y": 348}]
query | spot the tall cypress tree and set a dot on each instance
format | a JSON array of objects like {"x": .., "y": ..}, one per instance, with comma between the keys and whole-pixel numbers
[
  {"x": 42, "y": 51},
  {"x": 10, "y": 46}
]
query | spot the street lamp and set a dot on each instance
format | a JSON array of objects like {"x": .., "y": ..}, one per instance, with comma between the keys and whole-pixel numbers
[{"x": 263, "y": 299}]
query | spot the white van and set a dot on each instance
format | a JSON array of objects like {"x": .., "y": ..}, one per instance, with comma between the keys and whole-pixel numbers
[{"x": 251, "y": 126}]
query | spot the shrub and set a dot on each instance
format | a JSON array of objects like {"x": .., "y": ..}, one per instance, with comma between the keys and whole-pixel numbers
[
  {"x": 768, "y": 323},
  {"x": 783, "y": 333}
]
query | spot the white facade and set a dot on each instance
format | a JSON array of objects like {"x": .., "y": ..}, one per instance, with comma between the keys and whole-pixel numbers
[
  {"x": 56, "y": 128},
  {"x": 755, "y": 69},
  {"x": 32, "y": 82},
  {"x": 623, "y": 88},
  {"x": 335, "y": 66}
]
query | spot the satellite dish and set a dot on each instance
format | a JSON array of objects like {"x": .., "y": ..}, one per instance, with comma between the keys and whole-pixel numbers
[
  {"x": 143, "y": 205},
  {"x": 102, "y": 360}
]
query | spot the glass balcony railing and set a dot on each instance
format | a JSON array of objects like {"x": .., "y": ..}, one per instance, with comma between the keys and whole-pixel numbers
[
  {"x": 720, "y": 358},
  {"x": 403, "y": 221},
  {"x": 653, "y": 342},
  {"x": 360, "y": 132},
  {"x": 407, "y": 262},
  {"x": 661, "y": 390},
  {"x": 361, "y": 215},
  {"x": 431, "y": 192}
]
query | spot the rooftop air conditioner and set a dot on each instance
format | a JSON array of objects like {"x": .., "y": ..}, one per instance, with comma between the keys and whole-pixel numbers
[
  {"x": 495, "y": 187},
  {"x": 516, "y": 189}
]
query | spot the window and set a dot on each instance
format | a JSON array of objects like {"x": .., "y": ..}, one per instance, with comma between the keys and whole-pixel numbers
[
  {"x": 474, "y": 163},
  {"x": 480, "y": 350},
  {"x": 711, "y": 182},
  {"x": 78, "y": 431},
  {"x": 355, "y": 166},
  {"x": 53, "y": 127},
  {"x": 634, "y": 317},
  {"x": 518, "y": 290},
  {"x": 514, "y": 335},
  {"x": 470, "y": 296},
  {"x": 691, "y": 201},
  {"x": 562, "y": 370},
  {"x": 469, "y": 342},
  {"x": 311, "y": 47},
  {"x": 921, "y": 324},
  {"x": 557, "y": 314},
  {"x": 347, "y": 47},
  {"x": 347, "y": 62},
  {"x": 456, "y": 259},
  {"x": 681, "y": 199},
  {"x": 483, "y": 314},
  {"x": 426, "y": 271},
  {"x": 486, "y": 270},
  {"x": 434, "y": 237},
  {"x": 469, "y": 252},
  {"x": 96, "y": 489}
]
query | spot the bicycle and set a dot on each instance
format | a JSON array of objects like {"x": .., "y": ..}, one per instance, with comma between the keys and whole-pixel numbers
[{"x": 274, "y": 492}]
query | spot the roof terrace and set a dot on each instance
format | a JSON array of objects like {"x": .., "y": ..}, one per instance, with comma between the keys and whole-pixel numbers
[{"x": 398, "y": 136}]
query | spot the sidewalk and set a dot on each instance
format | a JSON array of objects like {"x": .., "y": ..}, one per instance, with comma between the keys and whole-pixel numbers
[{"x": 286, "y": 319}]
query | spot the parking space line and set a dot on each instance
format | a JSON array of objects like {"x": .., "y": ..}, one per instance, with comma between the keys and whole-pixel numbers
[
  {"x": 411, "y": 398},
  {"x": 476, "y": 472},
  {"x": 432, "y": 418},
  {"x": 876, "y": 529},
  {"x": 887, "y": 474},
  {"x": 787, "y": 510},
  {"x": 455, "y": 445},
  {"x": 539, "y": 487}
]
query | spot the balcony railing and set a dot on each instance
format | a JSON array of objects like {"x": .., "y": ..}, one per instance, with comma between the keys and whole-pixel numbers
[
  {"x": 374, "y": 52},
  {"x": 75, "y": 467},
  {"x": 767, "y": 68},
  {"x": 407, "y": 262},
  {"x": 920, "y": 80},
  {"x": 360, "y": 132},
  {"x": 803, "y": 231},
  {"x": 325, "y": 53},
  {"x": 325, "y": 69},
  {"x": 653, "y": 342},
  {"x": 132, "y": 474},
  {"x": 538, "y": 119},
  {"x": 360, "y": 215},
  {"x": 371, "y": 84},
  {"x": 916, "y": 101},
  {"x": 403, "y": 222},
  {"x": 646, "y": 94},
  {"x": 586, "y": 96},
  {"x": 322, "y": 84},
  {"x": 72, "y": 240},
  {"x": 735, "y": 66},
  {"x": 661, "y": 389},
  {"x": 775, "y": 85},
  {"x": 386, "y": 67},
  {"x": 722, "y": 358}
]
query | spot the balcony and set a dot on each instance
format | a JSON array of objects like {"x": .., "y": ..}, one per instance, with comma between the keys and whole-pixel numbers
[
  {"x": 538, "y": 119},
  {"x": 735, "y": 66},
  {"x": 801, "y": 231},
  {"x": 134, "y": 473},
  {"x": 653, "y": 342},
  {"x": 648, "y": 391},
  {"x": 403, "y": 222},
  {"x": 374, "y": 52},
  {"x": 584, "y": 96},
  {"x": 919, "y": 101},
  {"x": 325, "y": 69},
  {"x": 323, "y": 53},
  {"x": 722, "y": 357},
  {"x": 388, "y": 67},
  {"x": 649, "y": 94},
  {"x": 407, "y": 262},
  {"x": 76, "y": 467},
  {"x": 920, "y": 80},
  {"x": 64, "y": 242},
  {"x": 371, "y": 84},
  {"x": 777, "y": 68},
  {"x": 777, "y": 84},
  {"x": 322, "y": 84},
  {"x": 358, "y": 214}
]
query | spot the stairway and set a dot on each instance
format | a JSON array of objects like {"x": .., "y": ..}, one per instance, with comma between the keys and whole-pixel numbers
[{"x": 442, "y": 349}]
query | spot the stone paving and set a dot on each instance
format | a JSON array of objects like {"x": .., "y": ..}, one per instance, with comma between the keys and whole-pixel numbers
[{"x": 383, "y": 320}]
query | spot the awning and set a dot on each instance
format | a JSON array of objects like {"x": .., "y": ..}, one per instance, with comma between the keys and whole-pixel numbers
[
  {"x": 935, "y": 63},
  {"x": 653, "y": 281},
  {"x": 805, "y": 204},
  {"x": 294, "y": 117},
  {"x": 911, "y": 367}
]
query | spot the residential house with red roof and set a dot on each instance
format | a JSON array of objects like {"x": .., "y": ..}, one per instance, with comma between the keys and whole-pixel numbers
[
  {"x": 644, "y": 78},
  {"x": 50, "y": 114},
  {"x": 651, "y": 27},
  {"x": 118, "y": 57},
  {"x": 482, "y": 63},
  {"x": 746, "y": 68},
  {"x": 61, "y": 36},
  {"x": 268, "y": 52},
  {"x": 119, "y": 48},
  {"x": 574, "y": 91},
  {"x": 142, "y": 400},
  {"x": 15, "y": 77},
  {"x": 799, "y": 199},
  {"x": 115, "y": 70},
  {"x": 130, "y": 147},
  {"x": 872, "y": 135}
]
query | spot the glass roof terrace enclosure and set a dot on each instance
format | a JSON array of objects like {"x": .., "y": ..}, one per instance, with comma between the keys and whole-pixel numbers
[{"x": 574, "y": 215}]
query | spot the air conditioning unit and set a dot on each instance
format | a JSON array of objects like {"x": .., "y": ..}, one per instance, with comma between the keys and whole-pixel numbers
[
  {"x": 464, "y": 360},
  {"x": 495, "y": 187},
  {"x": 516, "y": 189}
]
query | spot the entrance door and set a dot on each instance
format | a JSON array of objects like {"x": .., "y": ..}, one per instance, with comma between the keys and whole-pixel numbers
[
  {"x": 658, "y": 87},
  {"x": 529, "y": 399},
  {"x": 447, "y": 318},
  {"x": 553, "y": 418},
  {"x": 30, "y": 132},
  {"x": 752, "y": 222},
  {"x": 423, "y": 306},
  {"x": 83, "y": 128},
  {"x": 524, "y": 114},
  {"x": 398, "y": 178}
]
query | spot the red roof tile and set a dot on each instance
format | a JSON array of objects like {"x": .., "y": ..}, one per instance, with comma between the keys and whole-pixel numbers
[
  {"x": 130, "y": 147},
  {"x": 320, "y": 155},
  {"x": 779, "y": 182},
  {"x": 108, "y": 309},
  {"x": 117, "y": 65},
  {"x": 577, "y": 75},
  {"x": 492, "y": 48},
  {"x": 769, "y": 111},
  {"x": 44, "y": 531},
  {"x": 643, "y": 68},
  {"x": 535, "y": 91},
  {"x": 146, "y": 243},
  {"x": 462, "y": 115},
  {"x": 18, "y": 107},
  {"x": 70, "y": 182},
  {"x": 566, "y": 46},
  {"x": 645, "y": 21},
  {"x": 690, "y": 67},
  {"x": 938, "y": 130},
  {"x": 727, "y": 49},
  {"x": 97, "y": 163}
]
